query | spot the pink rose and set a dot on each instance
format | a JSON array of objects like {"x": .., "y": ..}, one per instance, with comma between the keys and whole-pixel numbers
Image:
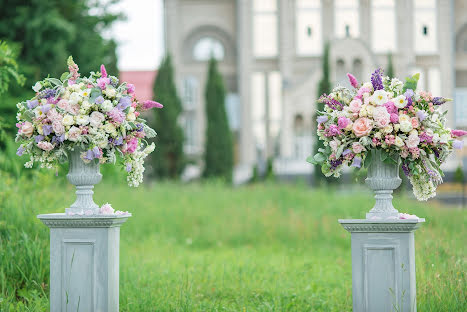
[
  {"x": 362, "y": 126},
  {"x": 106, "y": 209},
  {"x": 414, "y": 121},
  {"x": 355, "y": 105},
  {"x": 394, "y": 118},
  {"x": 381, "y": 116},
  {"x": 357, "y": 147},
  {"x": 54, "y": 116},
  {"x": 27, "y": 129},
  {"x": 46, "y": 146},
  {"x": 58, "y": 127},
  {"x": 72, "y": 108},
  {"x": 74, "y": 134},
  {"x": 63, "y": 104},
  {"x": 96, "y": 119},
  {"x": 412, "y": 141}
]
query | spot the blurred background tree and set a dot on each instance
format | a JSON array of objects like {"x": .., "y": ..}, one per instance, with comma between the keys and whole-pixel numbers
[
  {"x": 168, "y": 160},
  {"x": 323, "y": 87},
  {"x": 45, "y": 32},
  {"x": 218, "y": 154}
]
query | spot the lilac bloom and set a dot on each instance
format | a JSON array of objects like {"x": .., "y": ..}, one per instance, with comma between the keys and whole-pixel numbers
[
  {"x": 59, "y": 139},
  {"x": 357, "y": 162},
  {"x": 47, "y": 129},
  {"x": 99, "y": 100},
  {"x": 118, "y": 141},
  {"x": 89, "y": 155},
  {"x": 32, "y": 103},
  {"x": 96, "y": 152},
  {"x": 346, "y": 152},
  {"x": 322, "y": 119},
  {"x": 408, "y": 95},
  {"x": 421, "y": 114},
  {"x": 45, "y": 108},
  {"x": 20, "y": 151},
  {"x": 440, "y": 100},
  {"x": 124, "y": 103},
  {"x": 38, "y": 138},
  {"x": 457, "y": 144}
]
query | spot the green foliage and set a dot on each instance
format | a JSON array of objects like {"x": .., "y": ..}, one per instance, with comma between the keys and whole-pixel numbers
[
  {"x": 411, "y": 82},
  {"x": 218, "y": 154},
  {"x": 46, "y": 32},
  {"x": 8, "y": 67},
  {"x": 270, "y": 170},
  {"x": 168, "y": 159},
  {"x": 390, "y": 69},
  {"x": 459, "y": 175},
  {"x": 323, "y": 87}
]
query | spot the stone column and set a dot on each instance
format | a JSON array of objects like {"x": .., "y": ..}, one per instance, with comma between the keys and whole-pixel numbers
[
  {"x": 383, "y": 264},
  {"x": 405, "y": 53},
  {"x": 84, "y": 261}
]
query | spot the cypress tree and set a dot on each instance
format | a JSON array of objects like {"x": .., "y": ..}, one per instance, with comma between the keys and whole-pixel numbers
[
  {"x": 390, "y": 69},
  {"x": 168, "y": 159},
  {"x": 218, "y": 153},
  {"x": 324, "y": 86}
]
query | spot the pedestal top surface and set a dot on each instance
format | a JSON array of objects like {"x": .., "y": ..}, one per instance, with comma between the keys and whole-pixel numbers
[
  {"x": 61, "y": 220},
  {"x": 381, "y": 225}
]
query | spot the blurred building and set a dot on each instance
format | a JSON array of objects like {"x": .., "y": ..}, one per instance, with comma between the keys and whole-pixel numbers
[
  {"x": 143, "y": 81},
  {"x": 269, "y": 53}
]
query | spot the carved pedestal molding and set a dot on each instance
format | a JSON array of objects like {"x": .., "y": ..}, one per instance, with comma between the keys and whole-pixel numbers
[
  {"x": 383, "y": 264},
  {"x": 84, "y": 261},
  {"x": 383, "y": 179},
  {"x": 84, "y": 176}
]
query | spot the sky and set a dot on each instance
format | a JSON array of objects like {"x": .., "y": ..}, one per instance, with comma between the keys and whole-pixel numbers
[{"x": 140, "y": 37}]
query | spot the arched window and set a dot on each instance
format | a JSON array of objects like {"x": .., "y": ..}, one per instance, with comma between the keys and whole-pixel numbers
[
  {"x": 341, "y": 73},
  {"x": 357, "y": 68},
  {"x": 207, "y": 47}
]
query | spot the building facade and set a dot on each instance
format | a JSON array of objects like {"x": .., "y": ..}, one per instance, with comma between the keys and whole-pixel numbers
[{"x": 269, "y": 53}]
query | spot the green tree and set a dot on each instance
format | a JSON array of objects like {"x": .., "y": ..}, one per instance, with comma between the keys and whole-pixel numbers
[
  {"x": 168, "y": 159},
  {"x": 324, "y": 86},
  {"x": 218, "y": 153},
  {"x": 47, "y": 31},
  {"x": 390, "y": 70}
]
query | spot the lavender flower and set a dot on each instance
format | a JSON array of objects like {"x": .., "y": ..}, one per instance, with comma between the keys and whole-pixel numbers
[
  {"x": 124, "y": 103},
  {"x": 20, "y": 151},
  {"x": 99, "y": 100},
  {"x": 47, "y": 93},
  {"x": 421, "y": 114},
  {"x": 335, "y": 163},
  {"x": 47, "y": 129},
  {"x": 377, "y": 80},
  {"x": 322, "y": 119},
  {"x": 32, "y": 103},
  {"x": 38, "y": 138},
  {"x": 58, "y": 139},
  {"x": 331, "y": 102},
  {"x": 440, "y": 100},
  {"x": 406, "y": 170},
  {"x": 139, "y": 127},
  {"x": 457, "y": 144},
  {"x": 128, "y": 167},
  {"x": 357, "y": 162},
  {"x": 89, "y": 155},
  {"x": 96, "y": 152},
  {"x": 408, "y": 95},
  {"x": 45, "y": 108},
  {"x": 346, "y": 152}
]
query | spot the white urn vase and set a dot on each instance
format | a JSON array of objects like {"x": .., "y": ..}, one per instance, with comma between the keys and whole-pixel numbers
[
  {"x": 383, "y": 179},
  {"x": 83, "y": 176}
]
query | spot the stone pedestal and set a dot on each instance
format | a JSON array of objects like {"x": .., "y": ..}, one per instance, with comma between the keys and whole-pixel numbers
[
  {"x": 84, "y": 261},
  {"x": 383, "y": 264}
]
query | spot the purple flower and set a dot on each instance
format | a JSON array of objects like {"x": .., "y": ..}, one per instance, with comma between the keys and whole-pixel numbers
[
  {"x": 124, "y": 103},
  {"x": 118, "y": 141},
  {"x": 45, "y": 108},
  {"x": 20, "y": 151},
  {"x": 38, "y": 138},
  {"x": 343, "y": 122},
  {"x": 457, "y": 144},
  {"x": 346, "y": 152},
  {"x": 377, "y": 80},
  {"x": 89, "y": 155},
  {"x": 440, "y": 100},
  {"x": 139, "y": 127},
  {"x": 357, "y": 162},
  {"x": 58, "y": 139},
  {"x": 408, "y": 95},
  {"x": 353, "y": 80},
  {"x": 47, "y": 93},
  {"x": 128, "y": 167},
  {"x": 331, "y": 102},
  {"x": 47, "y": 129},
  {"x": 405, "y": 168},
  {"x": 322, "y": 119},
  {"x": 421, "y": 114},
  {"x": 335, "y": 163},
  {"x": 99, "y": 100},
  {"x": 116, "y": 115},
  {"x": 96, "y": 152},
  {"x": 424, "y": 137},
  {"x": 32, "y": 103},
  {"x": 333, "y": 130}
]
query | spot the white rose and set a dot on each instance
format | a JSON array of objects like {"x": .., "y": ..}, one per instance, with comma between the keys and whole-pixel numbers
[
  {"x": 379, "y": 97},
  {"x": 404, "y": 118},
  {"x": 131, "y": 117},
  {"x": 109, "y": 128},
  {"x": 399, "y": 142},
  {"x": 73, "y": 134},
  {"x": 363, "y": 112},
  {"x": 82, "y": 120},
  {"x": 406, "y": 126},
  {"x": 412, "y": 141},
  {"x": 444, "y": 138},
  {"x": 370, "y": 109},
  {"x": 397, "y": 127},
  {"x": 400, "y": 101},
  {"x": 388, "y": 129},
  {"x": 74, "y": 98},
  {"x": 106, "y": 106},
  {"x": 110, "y": 92},
  {"x": 378, "y": 135},
  {"x": 37, "y": 87},
  {"x": 96, "y": 119},
  {"x": 68, "y": 120}
]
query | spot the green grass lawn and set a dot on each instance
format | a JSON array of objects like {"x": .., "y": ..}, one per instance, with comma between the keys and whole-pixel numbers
[{"x": 208, "y": 247}]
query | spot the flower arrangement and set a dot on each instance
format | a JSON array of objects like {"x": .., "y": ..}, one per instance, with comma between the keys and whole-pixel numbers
[
  {"x": 95, "y": 114},
  {"x": 388, "y": 115}
]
